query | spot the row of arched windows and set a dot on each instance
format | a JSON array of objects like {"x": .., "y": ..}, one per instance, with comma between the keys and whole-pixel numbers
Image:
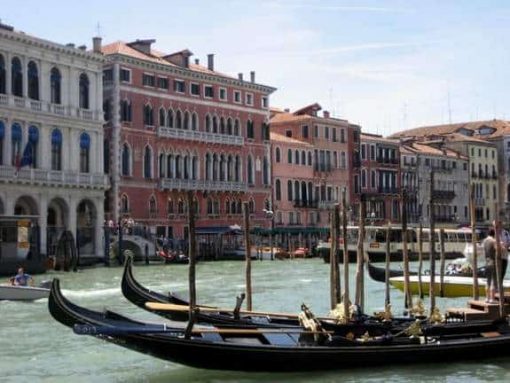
[
  {"x": 212, "y": 206},
  {"x": 26, "y": 153},
  {"x": 305, "y": 157},
  {"x": 16, "y": 86}
]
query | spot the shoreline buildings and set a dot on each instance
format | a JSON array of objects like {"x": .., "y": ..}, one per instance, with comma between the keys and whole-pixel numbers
[{"x": 51, "y": 138}]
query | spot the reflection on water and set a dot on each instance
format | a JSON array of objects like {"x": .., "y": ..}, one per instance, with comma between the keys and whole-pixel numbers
[{"x": 33, "y": 347}]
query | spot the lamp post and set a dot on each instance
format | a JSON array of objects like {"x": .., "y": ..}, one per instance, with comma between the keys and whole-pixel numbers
[{"x": 270, "y": 215}]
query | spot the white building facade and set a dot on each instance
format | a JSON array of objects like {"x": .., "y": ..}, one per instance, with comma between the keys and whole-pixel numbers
[{"x": 51, "y": 139}]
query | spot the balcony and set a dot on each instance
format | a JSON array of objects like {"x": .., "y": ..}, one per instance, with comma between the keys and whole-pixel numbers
[
  {"x": 53, "y": 178},
  {"x": 443, "y": 194},
  {"x": 313, "y": 204},
  {"x": 327, "y": 204},
  {"x": 388, "y": 190},
  {"x": 48, "y": 108},
  {"x": 193, "y": 135},
  {"x": 206, "y": 185},
  {"x": 387, "y": 160},
  {"x": 322, "y": 167}
]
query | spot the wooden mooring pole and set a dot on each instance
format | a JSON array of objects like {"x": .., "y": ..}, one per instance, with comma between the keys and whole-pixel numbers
[
  {"x": 335, "y": 290},
  {"x": 405, "y": 253},
  {"x": 472, "y": 212},
  {"x": 432, "y": 247},
  {"x": 387, "y": 300},
  {"x": 247, "y": 244},
  {"x": 345, "y": 300},
  {"x": 420, "y": 260},
  {"x": 192, "y": 264},
  {"x": 360, "y": 265},
  {"x": 442, "y": 264}
]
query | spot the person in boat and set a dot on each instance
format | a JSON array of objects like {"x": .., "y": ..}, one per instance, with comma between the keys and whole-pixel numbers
[
  {"x": 504, "y": 237},
  {"x": 489, "y": 247},
  {"x": 21, "y": 278}
]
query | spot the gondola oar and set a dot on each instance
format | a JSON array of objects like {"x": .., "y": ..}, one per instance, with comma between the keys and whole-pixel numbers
[
  {"x": 87, "y": 329},
  {"x": 172, "y": 307}
]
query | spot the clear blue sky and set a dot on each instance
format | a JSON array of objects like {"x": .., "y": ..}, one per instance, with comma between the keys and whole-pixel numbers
[{"x": 387, "y": 65}]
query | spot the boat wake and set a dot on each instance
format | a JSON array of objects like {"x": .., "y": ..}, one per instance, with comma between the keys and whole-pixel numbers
[{"x": 93, "y": 293}]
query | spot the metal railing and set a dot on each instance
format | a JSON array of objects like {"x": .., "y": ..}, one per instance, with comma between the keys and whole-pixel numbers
[
  {"x": 208, "y": 185},
  {"x": 194, "y": 135}
]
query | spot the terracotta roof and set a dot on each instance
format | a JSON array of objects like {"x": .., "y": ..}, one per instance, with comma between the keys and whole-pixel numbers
[
  {"x": 288, "y": 117},
  {"x": 457, "y": 137},
  {"x": 420, "y": 148},
  {"x": 502, "y": 127},
  {"x": 378, "y": 138},
  {"x": 122, "y": 48},
  {"x": 277, "y": 137}
]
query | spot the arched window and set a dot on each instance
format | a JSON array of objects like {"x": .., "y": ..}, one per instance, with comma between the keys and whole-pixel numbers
[
  {"x": 180, "y": 207},
  {"x": 161, "y": 164},
  {"x": 56, "y": 150},
  {"x": 33, "y": 81},
  {"x": 249, "y": 129},
  {"x": 278, "y": 190},
  {"x": 170, "y": 166},
  {"x": 216, "y": 207},
  {"x": 147, "y": 163},
  {"x": 162, "y": 117},
  {"x": 170, "y": 206},
  {"x": 126, "y": 160},
  {"x": 363, "y": 178},
  {"x": 289, "y": 190},
  {"x": 277, "y": 155},
  {"x": 289, "y": 156},
  {"x": 250, "y": 171},
  {"x": 194, "y": 168},
  {"x": 124, "y": 204},
  {"x": 237, "y": 170},
  {"x": 233, "y": 209},
  {"x": 194, "y": 121},
  {"x": 207, "y": 123},
  {"x": 16, "y": 137},
  {"x": 309, "y": 158},
  {"x": 33, "y": 139},
  {"x": 2, "y": 139},
  {"x": 209, "y": 206},
  {"x": 152, "y": 205},
  {"x": 84, "y": 153},
  {"x": 222, "y": 168},
  {"x": 186, "y": 167},
  {"x": 186, "y": 120},
  {"x": 372, "y": 178},
  {"x": 178, "y": 119},
  {"x": 207, "y": 166},
  {"x": 2, "y": 75},
  {"x": 125, "y": 110},
  {"x": 16, "y": 77},
  {"x": 56, "y": 86},
  {"x": 178, "y": 166},
  {"x": 148, "y": 118},
  {"x": 227, "y": 206},
  {"x": 215, "y": 167},
  {"x": 84, "y": 91},
  {"x": 237, "y": 124},
  {"x": 222, "y": 125},
  {"x": 229, "y": 126},
  {"x": 170, "y": 118},
  {"x": 265, "y": 171},
  {"x": 303, "y": 158},
  {"x": 215, "y": 124},
  {"x": 296, "y": 190},
  {"x": 296, "y": 157},
  {"x": 251, "y": 206}
]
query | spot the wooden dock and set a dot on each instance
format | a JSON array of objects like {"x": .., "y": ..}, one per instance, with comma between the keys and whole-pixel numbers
[{"x": 480, "y": 310}]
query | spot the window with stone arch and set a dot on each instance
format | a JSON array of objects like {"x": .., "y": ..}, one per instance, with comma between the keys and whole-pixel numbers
[
  {"x": 152, "y": 205},
  {"x": 16, "y": 138},
  {"x": 278, "y": 190},
  {"x": 55, "y": 86},
  {"x": 16, "y": 77},
  {"x": 84, "y": 92},
  {"x": 124, "y": 204},
  {"x": 147, "y": 162},
  {"x": 33, "y": 81},
  {"x": 251, "y": 206},
  {"x": 277, "y": 154},
  {"x": 126, "y": 160},
  {"x": 170, "y": 118},
  {"x": 2, "y": 75},
  {"x": 169, "y": 206},
  {"x": 250, "y": 170},
  {"x": 178, "y": 119},
  {"x": 33, "y": 139},
  {"x": 237, "y": 129},
  {"x": 148, "y": 118},
  {"x": 162, "y": 116},
  {"x": 84, "y": 153},
  {"x": 194, "y": 121},
  {"x": 56, "y": 149}
]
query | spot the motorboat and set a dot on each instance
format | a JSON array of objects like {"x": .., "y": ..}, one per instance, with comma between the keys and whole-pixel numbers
[{"x": 23, "y": 293}]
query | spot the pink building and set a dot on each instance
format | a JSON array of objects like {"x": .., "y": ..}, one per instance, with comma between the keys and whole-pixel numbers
[
  {"x": 175, "y": 126},
  {"x": 313, "y": 158}
]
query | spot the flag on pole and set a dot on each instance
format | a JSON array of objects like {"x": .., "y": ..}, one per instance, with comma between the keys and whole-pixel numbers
[{"x": 27, "y": 158}]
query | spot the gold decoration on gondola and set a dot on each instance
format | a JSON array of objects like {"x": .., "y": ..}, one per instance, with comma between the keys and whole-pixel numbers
[
  {"x": 435, "y": 316},
  {"x": 338, "y": 313},
  {"x": 386, "y": 315},
  {"x": 418, "y": 309},
  {"x": 310, "y": 323},
  {"x": 365, "y": 337},
  {"x": 349, "y": 335},
  {"x": 414, "y": 329}
]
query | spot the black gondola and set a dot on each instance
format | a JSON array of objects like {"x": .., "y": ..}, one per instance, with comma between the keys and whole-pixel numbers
[
  {"x": 379, "y": 273},
  {"x": 275, "y": 349}
]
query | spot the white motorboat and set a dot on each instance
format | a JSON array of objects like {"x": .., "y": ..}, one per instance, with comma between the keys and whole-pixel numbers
[{"x": 22, "y": 293}]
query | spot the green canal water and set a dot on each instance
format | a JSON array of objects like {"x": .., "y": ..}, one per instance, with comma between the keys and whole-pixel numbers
[{"x": 35, "y": 348}]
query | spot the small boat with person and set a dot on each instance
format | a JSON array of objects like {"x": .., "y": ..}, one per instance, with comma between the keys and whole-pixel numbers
[{"x": 23, "y": 293}]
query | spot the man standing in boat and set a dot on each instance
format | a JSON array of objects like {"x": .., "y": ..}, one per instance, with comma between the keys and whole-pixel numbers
[
  {"x": 504, "y": 237},
  {"x": 21, "y": 278},
  {"x": 489, "y": 248}
]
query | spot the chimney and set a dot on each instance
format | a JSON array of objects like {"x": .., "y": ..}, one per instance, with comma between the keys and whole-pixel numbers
[
  {"x": 240, "y": 75},
  {"x": 252, "y": 76},
  {"x": 286, "y": 110},
  {"x": 96, "y": 44},
  {"x": 325, "y": 113},
  {"x": 210, "y": 62},
  {"x": 197, "y": 62},
  {"x": 82, "y": 47}
]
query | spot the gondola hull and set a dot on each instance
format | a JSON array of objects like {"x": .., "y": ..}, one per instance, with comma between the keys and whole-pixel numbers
[{"x": 282, "y": 351}]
